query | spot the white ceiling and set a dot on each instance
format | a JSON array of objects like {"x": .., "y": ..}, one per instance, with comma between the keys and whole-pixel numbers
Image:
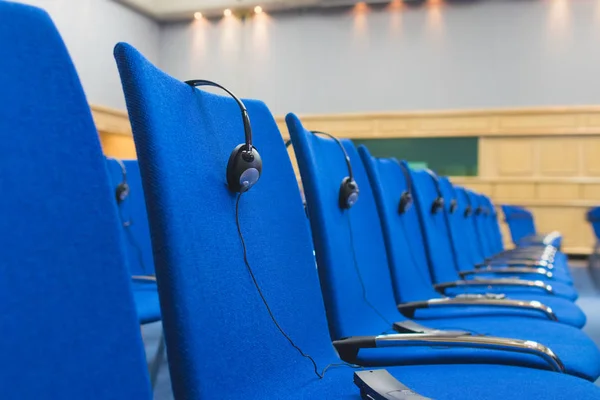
[
  {"x": 165, "y": 10},
  {"x": 171, "y": 10}
]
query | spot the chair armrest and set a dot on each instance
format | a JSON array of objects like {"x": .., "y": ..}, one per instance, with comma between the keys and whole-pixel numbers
[
  {"x": 348, "y": 348},
  {"x": 143, "y": 278},
  {"x": 496, "y": 282},
  {"x": 507, "y": 270},
  {"x": 517, "y": 263},
  {"x": 408, "y": 309}
]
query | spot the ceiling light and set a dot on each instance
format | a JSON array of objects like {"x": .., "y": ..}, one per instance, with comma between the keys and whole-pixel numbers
[
  {"x": 198, "y": 15},
  {"x": 258, "y": 10},
  {"x": 227, "y": 12}
]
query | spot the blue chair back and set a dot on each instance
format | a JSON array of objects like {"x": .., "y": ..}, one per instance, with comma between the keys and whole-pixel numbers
[
  {"x": 402, "y": 231},
  {"x": 471, "y": 235},
  {"x": 520, "y": 222},
  {"x": 459, "y": 225},
  {"x": 221, "y": 341},
  {"x": 69, "y": 327},
  {"x": 442, "y": 257},
  {"x": 348, "y": 243},
  {"x": 133, "y": 217},
  {"x": 593, "y": 217},
  {"x": 494, "y": 233}
]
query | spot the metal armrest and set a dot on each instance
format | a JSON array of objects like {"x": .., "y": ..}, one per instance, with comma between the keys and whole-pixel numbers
[
  {"x": 523, "y": 258},
  {"x": 348, "y": 348},
  {"x": 496, "y": 282},
  {"x": 143, "y": 278},
  {"x": 517, "y": 263},
  {"x": 408, "y": 309},
  {"x": 507, "y": 270}
]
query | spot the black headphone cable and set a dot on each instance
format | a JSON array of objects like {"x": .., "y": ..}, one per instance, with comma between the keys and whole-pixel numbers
[{"x": 321, "y": 374}]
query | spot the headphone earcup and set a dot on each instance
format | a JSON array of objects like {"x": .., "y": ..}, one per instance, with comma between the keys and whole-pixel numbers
[
  {"x": 348, "y": 193},
  {"x": 437, "y": 205},
  {"x": 468, "y": 211},
  {"x": 121, "y": 192},
  {"x": 453, "y": 206},
  {"x": 243, "y": 168},
  {"x": 405, "y": 202}
]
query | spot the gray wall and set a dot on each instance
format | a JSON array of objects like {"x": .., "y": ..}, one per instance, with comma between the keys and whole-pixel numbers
[
  {"x": 91, "y": 28},
  {"x": 486, "y": 54}
]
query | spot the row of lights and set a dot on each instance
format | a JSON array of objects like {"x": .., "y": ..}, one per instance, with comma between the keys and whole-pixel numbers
[
  {"x": 360, "y": 6},
  {"x": 227, "y": 12}
]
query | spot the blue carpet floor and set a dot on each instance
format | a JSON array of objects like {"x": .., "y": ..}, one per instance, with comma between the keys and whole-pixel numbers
[{"x": 589, "y": 301}]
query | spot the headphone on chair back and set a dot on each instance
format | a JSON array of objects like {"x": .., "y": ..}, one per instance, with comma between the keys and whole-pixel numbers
[
  {"x": 438, "y": 203},
  {"x": 245, "y": 165},
  {"x": 406, "y": 199},
  {"x": 348, "y": 188},
  {"x": 122, "y": 189}
]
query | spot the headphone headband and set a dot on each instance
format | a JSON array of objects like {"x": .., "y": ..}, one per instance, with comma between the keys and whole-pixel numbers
[
  {"x": 346, "y": 156},
  {"x": 348, "y": 193},
  {"x": 407, "y": 176},
  {"x": 245, "y": 164},
  {"x": 245, "y": 117}
]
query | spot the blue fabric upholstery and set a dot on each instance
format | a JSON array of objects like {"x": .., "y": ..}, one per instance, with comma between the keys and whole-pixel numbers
[
  {"x": 442, "y": 257},
  {"x": 491, "y": 229},
  {"x": 211, "y": 310},
  {"x": 522, "y": 228},
  {"x": 562, "y": 281},
  {"x": 221, "y": 342},
  {"x": 488, "y": 232},
  {"x": 593, "y": 216},
  {"x": 136, "y": 237},
  {"x": 69, "y": 329},
  {"x": 344, "y": 235},
  {"x": 408, "y": 260},
  {"x": 134, "y": 218}
]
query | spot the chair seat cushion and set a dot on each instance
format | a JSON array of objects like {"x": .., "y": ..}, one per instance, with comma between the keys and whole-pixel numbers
[{"x": 147, "y": 305}]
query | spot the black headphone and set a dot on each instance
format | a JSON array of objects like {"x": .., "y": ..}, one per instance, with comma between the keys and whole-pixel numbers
[
  {"x": 469, "y": 208},
  {"x": 348, "y": 188},
  {"x": 245, "y": 165},
  {"x": 438, "y": 203},
  {"x": 122, "y": 189},
  {"x": 468, "y": 211},
  {"x": 406, "y": 199},
  {"x": 453, "y": 206}
]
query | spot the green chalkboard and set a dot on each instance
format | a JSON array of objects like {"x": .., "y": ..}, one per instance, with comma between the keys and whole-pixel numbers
[{"x": 454, "y": 156}]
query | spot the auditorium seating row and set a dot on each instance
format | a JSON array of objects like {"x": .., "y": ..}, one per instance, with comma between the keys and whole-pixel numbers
[{"x": 386, "y": 276}]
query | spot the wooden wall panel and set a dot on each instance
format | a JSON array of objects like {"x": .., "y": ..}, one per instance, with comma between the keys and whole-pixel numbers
[
  {"x": 514, "y": 157},
  {"x": 514, "y": 192},
  {"x": 559, "y": 157},
  {"x": 558, "y": 191},
  {"x": 591, "y": 156},
  {"x": 547, "y": 159}
]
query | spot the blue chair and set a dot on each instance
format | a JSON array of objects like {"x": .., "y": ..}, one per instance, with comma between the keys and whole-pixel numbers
[
  {"x": 136, "y": 236},
  {"x": 557, "y": 264},
  {"x": 413, "y": 286},
  {"x": 593, "y": 217},
  {"x": 129, "y": 198},
  {"x": 531, "y": 256},
  {"x": 435, "y": 227},
  {"x": 183, "y": 139},
  {"x": 546, "y": 257},
  {"x": 485, "y": 239},
  {"x": 523, "y": 231},
  {"x": 69, "y": 326},
  {"x": 356, "y": 281}
]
